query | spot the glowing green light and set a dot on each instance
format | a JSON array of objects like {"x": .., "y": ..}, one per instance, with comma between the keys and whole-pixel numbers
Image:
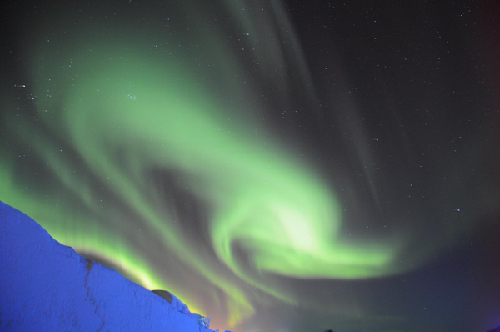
[{"x": 125, "y": 117}]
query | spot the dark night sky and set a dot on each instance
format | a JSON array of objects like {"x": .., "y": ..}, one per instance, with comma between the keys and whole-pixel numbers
[{"x": 278, "y": 165}]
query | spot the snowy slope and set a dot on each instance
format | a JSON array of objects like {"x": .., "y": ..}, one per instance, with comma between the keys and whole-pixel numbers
[{"x": 46, "y": 286}]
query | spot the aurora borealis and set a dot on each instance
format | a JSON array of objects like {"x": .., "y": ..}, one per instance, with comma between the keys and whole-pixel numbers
[{"x": 274, "y": 165}]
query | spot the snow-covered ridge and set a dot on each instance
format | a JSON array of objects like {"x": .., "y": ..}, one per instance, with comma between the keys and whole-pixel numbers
[{"x": 46, "y": 286}]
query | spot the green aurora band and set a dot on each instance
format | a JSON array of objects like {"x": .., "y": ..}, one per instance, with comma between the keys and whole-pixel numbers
[{"x": 124, "y": 117}]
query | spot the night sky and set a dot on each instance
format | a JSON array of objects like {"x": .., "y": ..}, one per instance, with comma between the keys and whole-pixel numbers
[{"x": 277, "y": 165}]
